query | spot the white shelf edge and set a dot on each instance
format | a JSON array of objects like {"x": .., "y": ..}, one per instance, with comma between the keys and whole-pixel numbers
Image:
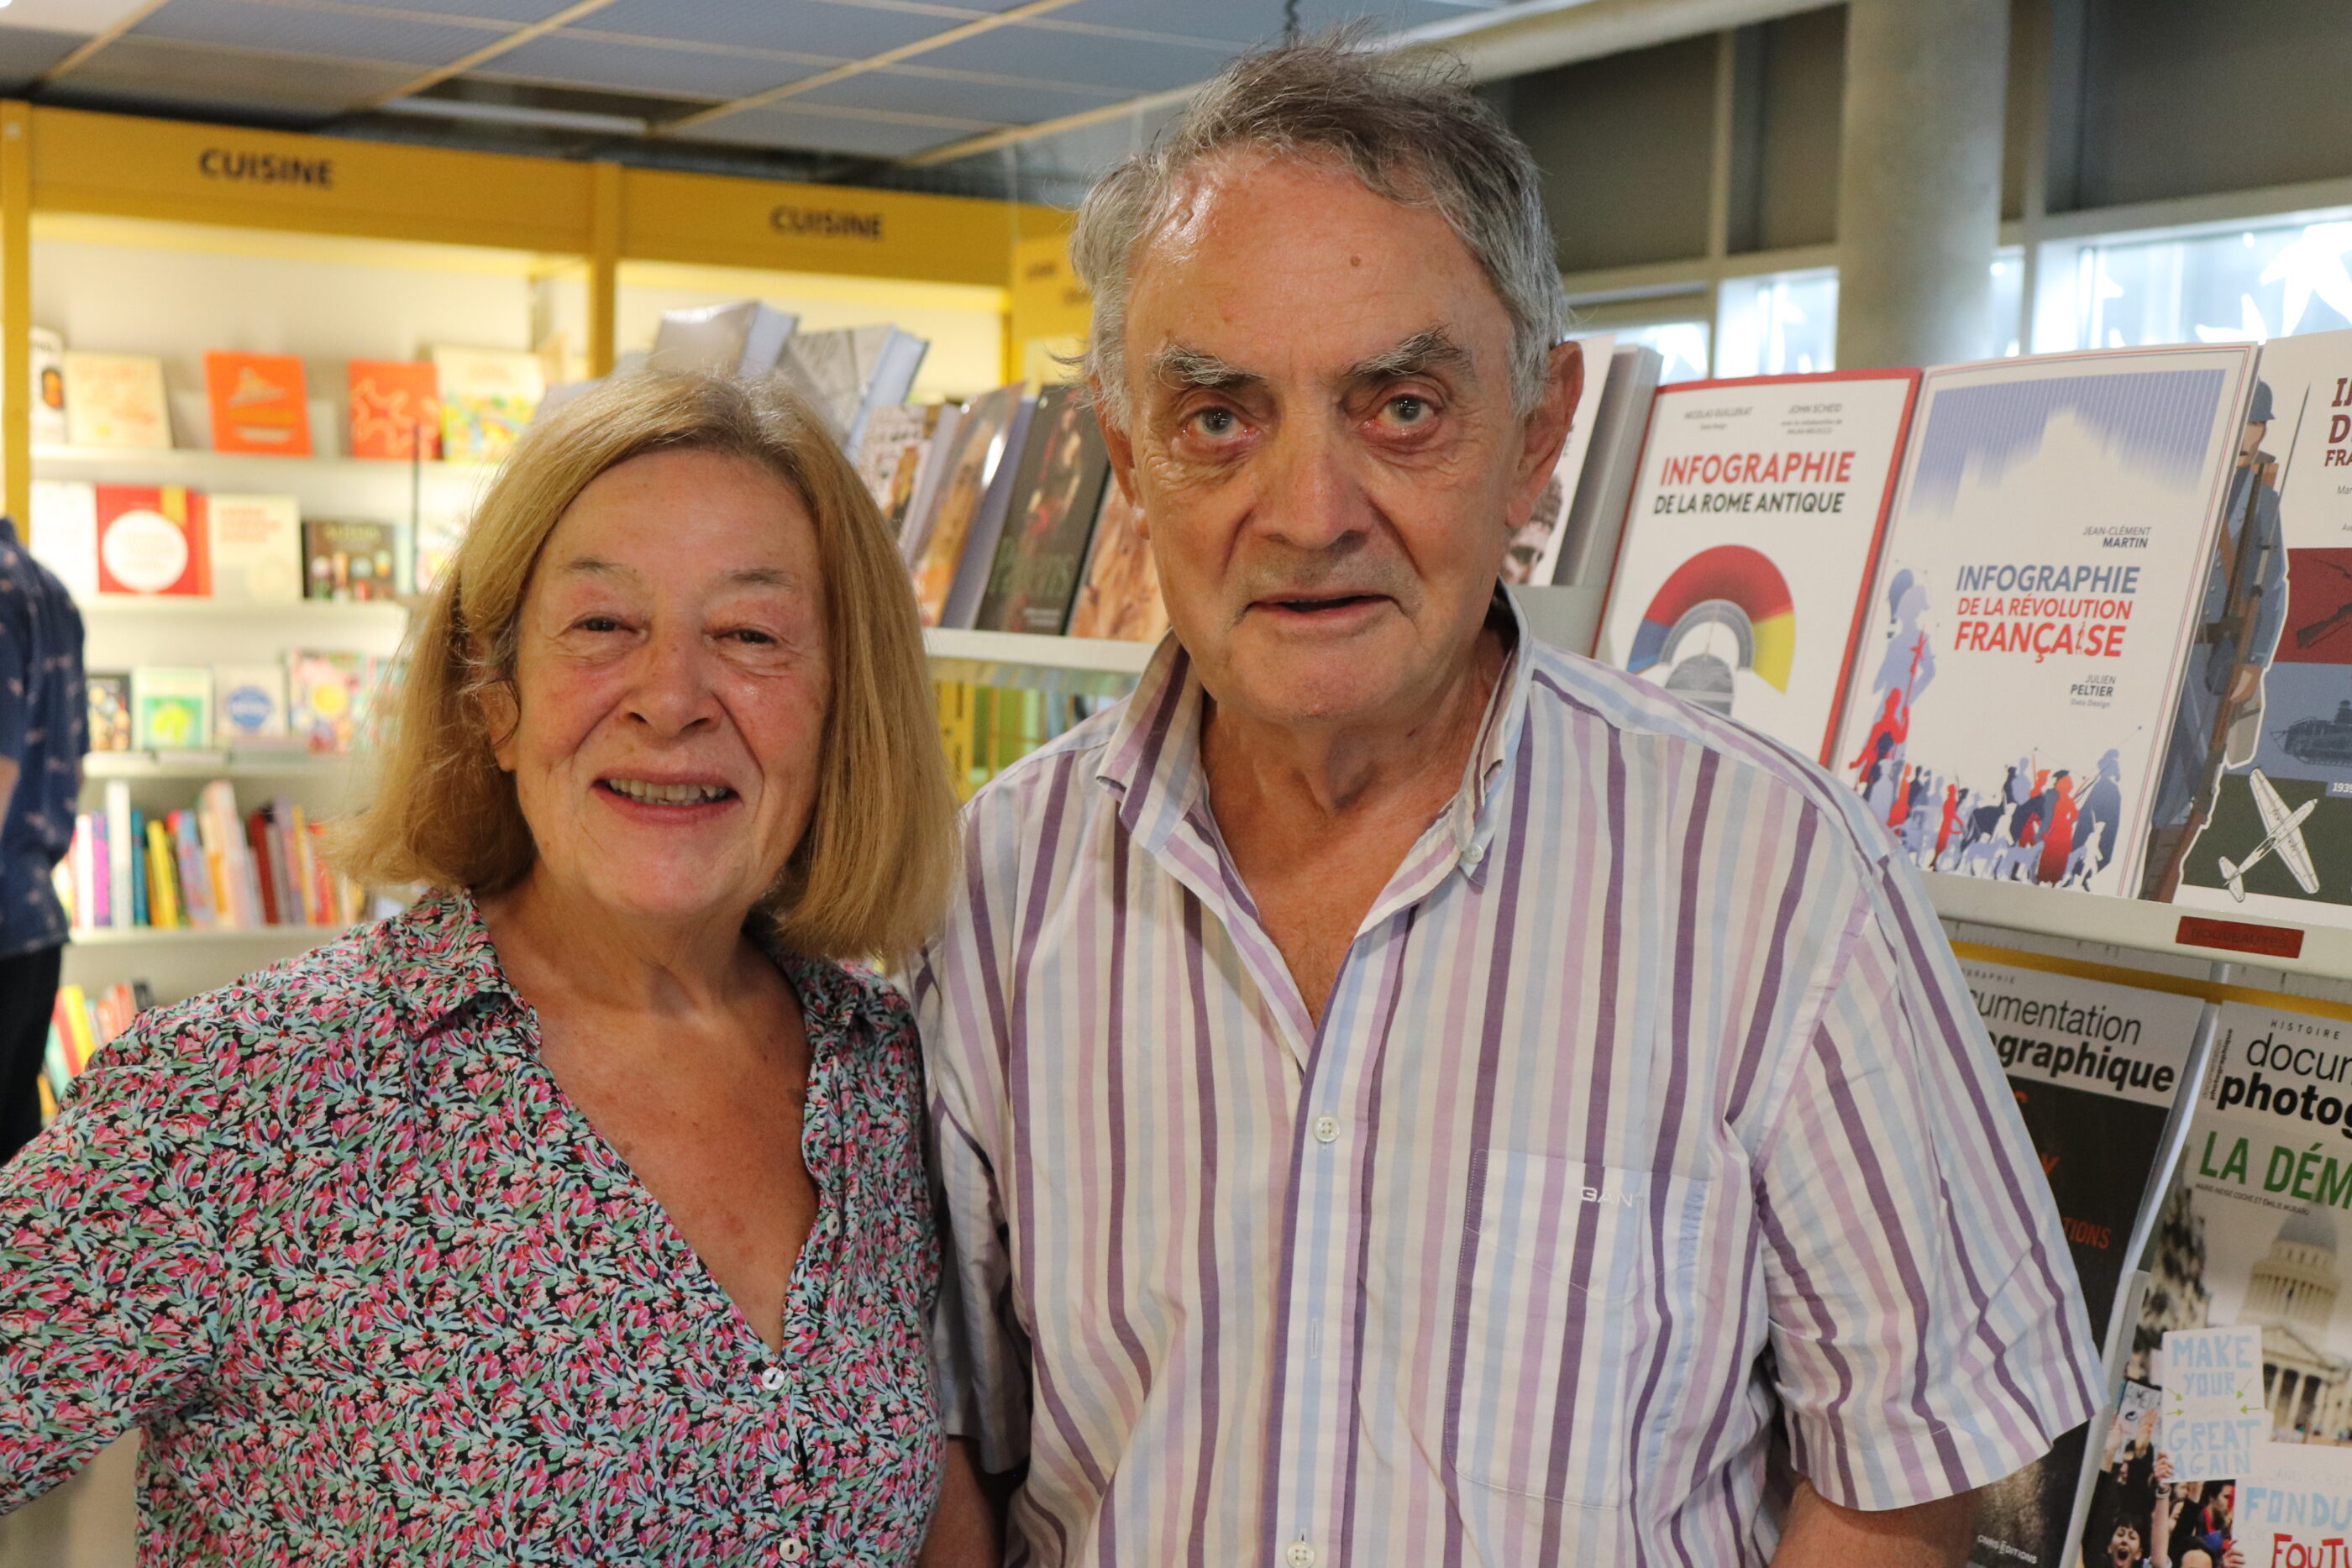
[
  {"x": 2142, "y": 924},
  {"x": 133, "y": 765},
  {"x": 1016, "y": 658},
  {"x": 149, "y": 935},
  {"x": 313, "y": 610},
  {"x": 204, "y": 456}
]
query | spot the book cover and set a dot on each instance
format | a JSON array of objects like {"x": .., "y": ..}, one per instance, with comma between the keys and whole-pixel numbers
[
  {"x": 847, "y": 371},
  {"x": 1596, "y": 514},
  {"x": 2098, "y": 1071},
  {"x": 2016, "y": 679},
  {"x": 256, "y": 546},
  {"x": 48, "y": 388},
  {"x": 350, "y": 561},
  {"x": 171, "y": 707},
  {"x": 1755, "y": 522},
  {"x": 978, "y": 452},
  {"x": 116, "y": 400},
  {"x": 65, "y": 532},
  {"x": 250, "y": 702},
  {"x": 1534, "y": 553},
  {"x": 1121, "y": 598},
  {"x": 326, "y": 699},
  {"x": 890, "y": 455},
  {"x": 488, "y": 396},
  {"x": 2254, "y": 813},
  {"x": 259, "y": 404},
  {"x": 979, "y": 561},
  {"x": 742, "y": 338},
  {"x": 914, "y": 522},
  {"x": 1055, "y": 496},
  {"x": 2250, "y": 1235},
  {"x": 109, "y": 710},
  {"x": 395, "y": 405},
  {"x": 121, "y": 894},
  {"x": 150, "y": 541}
]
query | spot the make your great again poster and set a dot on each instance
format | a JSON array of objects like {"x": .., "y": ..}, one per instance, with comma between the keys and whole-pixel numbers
[
  {"x": 2015, "y": 682},
  {"x": 1749, "y": 543},
  {"x": 2096, "y": 1069}
]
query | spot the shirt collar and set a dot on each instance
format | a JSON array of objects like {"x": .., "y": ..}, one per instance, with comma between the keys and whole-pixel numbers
[{"x": 1153, "y": 760}]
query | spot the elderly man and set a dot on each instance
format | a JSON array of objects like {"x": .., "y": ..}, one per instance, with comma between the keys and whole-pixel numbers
[{"x": 1404, "y": 1095}]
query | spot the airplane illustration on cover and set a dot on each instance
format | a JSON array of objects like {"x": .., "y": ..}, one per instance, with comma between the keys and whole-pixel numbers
[{"x": 2285, "y": 830}]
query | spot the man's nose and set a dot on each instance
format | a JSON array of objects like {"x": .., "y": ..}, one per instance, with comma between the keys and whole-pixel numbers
[{"x": 1311, "y": 500}]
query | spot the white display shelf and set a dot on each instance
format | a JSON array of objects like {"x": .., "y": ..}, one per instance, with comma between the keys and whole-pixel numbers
[
  {"x": 1085, "y": 664},
  {"x": 188, "y": 937},
  {"x": 214, "y": 765},
  {"x": 298, "y": 612},
  {"x": 2214, "y": 935},
  {"x": 151, "y": 458}
]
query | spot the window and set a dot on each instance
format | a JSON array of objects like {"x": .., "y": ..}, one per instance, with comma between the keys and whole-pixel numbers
[
  {"x": 2243, "y": 286},
  {"x": 1682, "y": 344},
  {"x": 1779, "y": 325},
  {"x": 2007, "y": 302}
]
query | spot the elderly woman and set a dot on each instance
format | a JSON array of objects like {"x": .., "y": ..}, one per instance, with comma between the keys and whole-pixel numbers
[{"x": 578, "y": 1213}]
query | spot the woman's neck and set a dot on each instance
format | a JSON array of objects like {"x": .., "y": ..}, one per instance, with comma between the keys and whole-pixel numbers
[{"x": 560, "y": 946}]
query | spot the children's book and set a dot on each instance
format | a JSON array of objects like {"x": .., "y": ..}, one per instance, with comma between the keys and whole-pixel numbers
[{"x": 258, "y": 403}]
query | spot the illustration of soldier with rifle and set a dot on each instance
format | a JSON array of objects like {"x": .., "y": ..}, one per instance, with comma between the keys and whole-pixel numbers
[{"x": 2238, "y": 632}]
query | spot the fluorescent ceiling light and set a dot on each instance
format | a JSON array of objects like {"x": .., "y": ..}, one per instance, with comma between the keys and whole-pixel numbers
[{"x": 517, "y": 114}]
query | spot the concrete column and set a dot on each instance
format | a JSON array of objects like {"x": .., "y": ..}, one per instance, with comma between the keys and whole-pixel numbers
[{"x": 1919, "y": 180}]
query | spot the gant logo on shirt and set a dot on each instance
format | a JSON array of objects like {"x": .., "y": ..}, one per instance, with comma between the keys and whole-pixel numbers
[{"x": 1605, "y": 1195}]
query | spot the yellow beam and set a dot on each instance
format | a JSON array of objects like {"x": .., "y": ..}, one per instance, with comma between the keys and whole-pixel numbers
[
  {"x": 971, "y": 29},
  {"x": 603, "y": 267},
  {"x": 16, "y": 310}
]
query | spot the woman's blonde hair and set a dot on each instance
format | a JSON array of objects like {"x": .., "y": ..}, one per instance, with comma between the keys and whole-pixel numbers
[{"x": 872, "y": 871}]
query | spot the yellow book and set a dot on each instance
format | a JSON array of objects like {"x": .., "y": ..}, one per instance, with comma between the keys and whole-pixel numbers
[
  {"x": 48, "y": 1102},
  {"x": 163, "y": 880},
  {"x": 79, "y": 1048}
]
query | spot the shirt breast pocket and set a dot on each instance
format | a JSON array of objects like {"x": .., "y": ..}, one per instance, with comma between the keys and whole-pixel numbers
[{"x": 1559, "y": 1313}]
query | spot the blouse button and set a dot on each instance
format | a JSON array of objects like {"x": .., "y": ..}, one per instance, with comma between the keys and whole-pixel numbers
[
  {"x": 793, "y": 1549},
  {"x": 772, "y": 1379}
]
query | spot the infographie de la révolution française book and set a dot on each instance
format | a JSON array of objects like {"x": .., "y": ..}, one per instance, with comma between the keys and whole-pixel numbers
[
  {"x": 1748, "y": 547},
  {"x": 2254, "y": 814},
  {"x": 2098, "y": 1069},
  {"x": 2014, "y": 684}
]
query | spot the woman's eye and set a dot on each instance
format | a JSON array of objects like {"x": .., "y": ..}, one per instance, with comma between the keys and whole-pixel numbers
[
  {"x": 598, "y": 623},
  {"x": 753, "y": 635}
]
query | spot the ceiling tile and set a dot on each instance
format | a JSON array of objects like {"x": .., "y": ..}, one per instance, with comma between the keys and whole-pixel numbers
[
  {"x": 27, "y": 52},
  {"x": 516, "y": 11},
  {"x": 157, "y": 73},
  {"x": 816, "y": 131},
  {"x": 635, "y": 67},
  {"x": 246, "y": 23},
  {"x": 1091, "y": 59},
  {"x": 797, "y": 27},
  {"x": 1005, "y": 103}
]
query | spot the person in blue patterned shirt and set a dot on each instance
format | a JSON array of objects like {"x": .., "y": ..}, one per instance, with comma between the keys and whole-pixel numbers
[{"x": 43, "y": 721}]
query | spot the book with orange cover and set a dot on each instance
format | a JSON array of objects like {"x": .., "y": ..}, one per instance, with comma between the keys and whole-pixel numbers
[
  {"x": 259, "y": 404},
  {"x": 395, "y": 403}
]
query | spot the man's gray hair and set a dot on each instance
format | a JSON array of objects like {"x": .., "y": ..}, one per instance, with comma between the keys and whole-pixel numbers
[{"x": 1409, "y": 127}]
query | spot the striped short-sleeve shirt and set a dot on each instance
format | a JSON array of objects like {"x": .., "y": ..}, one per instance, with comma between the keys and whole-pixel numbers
[{"x": 1647, "y": 1121}]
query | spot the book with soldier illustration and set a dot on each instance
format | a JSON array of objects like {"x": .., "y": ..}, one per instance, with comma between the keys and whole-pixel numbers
[
  {"x": 1055, "y": 496},
  {"x": 2015, "y": 680},
  {"x": 2254, "y": 813},
  {"x": 2099, "y": 1070}
]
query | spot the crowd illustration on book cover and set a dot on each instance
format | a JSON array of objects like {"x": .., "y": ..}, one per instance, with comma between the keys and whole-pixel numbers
[{"x": 2078, "y": 621}]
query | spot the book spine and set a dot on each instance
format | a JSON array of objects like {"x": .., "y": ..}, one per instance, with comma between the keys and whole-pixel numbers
[
  {"x": 257, "y": 838},
  {"x": 195, "y": 879},
  {"x": 134, "y": 854},
  {"x": 79, "y": 1042}
]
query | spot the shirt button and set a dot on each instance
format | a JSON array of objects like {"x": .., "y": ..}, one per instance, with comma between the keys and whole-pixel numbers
[
  {"x": 1327, "y": 1130},
  {"x": 772, "y": 1379},
  {"x": 793, "y": 1549},
  {"x": 1299, "y": 1555}
]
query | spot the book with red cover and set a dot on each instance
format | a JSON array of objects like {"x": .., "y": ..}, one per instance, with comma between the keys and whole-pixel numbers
[
  {"x": 393, "y": 404},
  {"x": 259, "y": 404},
  {"x": 150, "y": 541}
]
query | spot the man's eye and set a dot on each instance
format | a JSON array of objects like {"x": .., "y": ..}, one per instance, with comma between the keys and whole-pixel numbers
[
  {"x": 1408, "y": 410},
  {"x": 1215, "y": 423}
]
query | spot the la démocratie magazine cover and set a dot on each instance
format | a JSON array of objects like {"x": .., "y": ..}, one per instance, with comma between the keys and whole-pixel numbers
[
  {"x": 2250, "y": 1234},
  {"x": 2015, "y": 683},
  {"x": 1755, "y": 519},
  {"x": 2255, "y": 811},
  {"x": 2098, "y": 1070}
]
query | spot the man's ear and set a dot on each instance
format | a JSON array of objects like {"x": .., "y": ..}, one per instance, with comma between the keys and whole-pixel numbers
[
  {"x": 1546, "y": 432},
  {"x": 1120, "y": 443}
]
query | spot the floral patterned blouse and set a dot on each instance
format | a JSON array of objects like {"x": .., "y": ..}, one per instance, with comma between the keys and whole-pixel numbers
[{"x": 376, "y": 1293}]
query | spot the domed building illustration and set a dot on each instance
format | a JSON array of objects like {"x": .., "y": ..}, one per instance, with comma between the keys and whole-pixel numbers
[{"x": 2291, "y": 1293}]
